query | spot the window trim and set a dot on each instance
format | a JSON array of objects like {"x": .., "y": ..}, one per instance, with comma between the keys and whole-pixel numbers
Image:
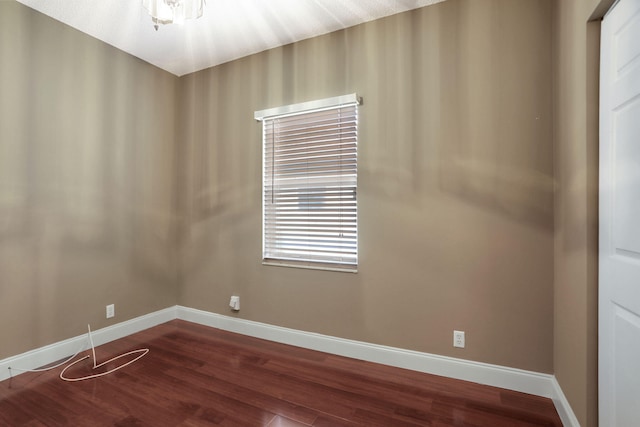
[
  {"x": 303, "y": 107},
  {"x": 288, "y": 111}
]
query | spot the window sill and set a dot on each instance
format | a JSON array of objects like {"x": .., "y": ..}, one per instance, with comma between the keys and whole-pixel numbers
[{"x": 312, "y": 266}]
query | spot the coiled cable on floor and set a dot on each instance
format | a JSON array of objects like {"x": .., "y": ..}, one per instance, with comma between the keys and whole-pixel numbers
[{"x": 142, "y": 352}]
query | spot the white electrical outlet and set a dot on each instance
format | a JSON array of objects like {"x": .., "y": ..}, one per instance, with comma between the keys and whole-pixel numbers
[
  {"x": 111, "y": 311},
  {"x": 458, "y": 339}
]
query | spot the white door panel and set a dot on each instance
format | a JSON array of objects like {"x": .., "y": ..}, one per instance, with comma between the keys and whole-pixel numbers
[
  {"x": 626, "y": 46},
  {"x": 626, "y": 212},
  {"x": 626, "y": 353},
  {"x": 619, "y": 281}
]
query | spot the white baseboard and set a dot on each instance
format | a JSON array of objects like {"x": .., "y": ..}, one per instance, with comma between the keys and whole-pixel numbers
[
  {"x": 567, "y": 416},
  {"x": 483, "y": 373},
  {"x": 60, "y": 350},
  {"x": 535, "y": 383}
]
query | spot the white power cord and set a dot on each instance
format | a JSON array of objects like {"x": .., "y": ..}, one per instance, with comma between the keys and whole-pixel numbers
[
  {"x": 49, "y": 367},
  {"x": 142, "y": 352}
]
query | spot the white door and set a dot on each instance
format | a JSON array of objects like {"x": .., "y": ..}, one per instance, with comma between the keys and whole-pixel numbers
[{"x": 619, "y": 281}]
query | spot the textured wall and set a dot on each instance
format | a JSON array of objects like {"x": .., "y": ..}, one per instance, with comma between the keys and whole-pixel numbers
[
  {"x": 86, "y": 182},
  {"x": 455, "y": 183}
]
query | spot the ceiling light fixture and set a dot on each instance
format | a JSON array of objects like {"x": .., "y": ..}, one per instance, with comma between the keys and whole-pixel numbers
[{"x": 165, "y": 12}]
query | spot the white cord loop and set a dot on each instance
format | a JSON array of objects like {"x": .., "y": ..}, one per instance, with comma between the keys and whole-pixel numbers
[{"x": 142, "y": 352}]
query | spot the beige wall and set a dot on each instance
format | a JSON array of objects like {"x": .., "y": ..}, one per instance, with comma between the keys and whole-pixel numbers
[
  {"x": 455, "y": 183},
  {"x": 86, "y": 182},
  {"x": 575, "y": 80}
]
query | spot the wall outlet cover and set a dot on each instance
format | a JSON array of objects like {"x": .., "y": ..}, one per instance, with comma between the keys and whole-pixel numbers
[
  {"x": 458, "y": 339},
  {"x": 111, "y": 311}
]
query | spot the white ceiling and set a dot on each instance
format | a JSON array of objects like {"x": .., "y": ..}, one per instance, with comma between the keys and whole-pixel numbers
[{"x": 229, "y": 29}]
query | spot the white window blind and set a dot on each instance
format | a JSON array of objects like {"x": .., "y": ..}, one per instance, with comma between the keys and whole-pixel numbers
[{"x": 310, "y": 176}]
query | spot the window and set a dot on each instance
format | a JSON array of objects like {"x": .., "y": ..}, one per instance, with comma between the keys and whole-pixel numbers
[{"x": 310, "y": 175}]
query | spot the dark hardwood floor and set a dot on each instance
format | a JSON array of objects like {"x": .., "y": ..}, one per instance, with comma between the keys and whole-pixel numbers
[{"x": 198, "y": 376}]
